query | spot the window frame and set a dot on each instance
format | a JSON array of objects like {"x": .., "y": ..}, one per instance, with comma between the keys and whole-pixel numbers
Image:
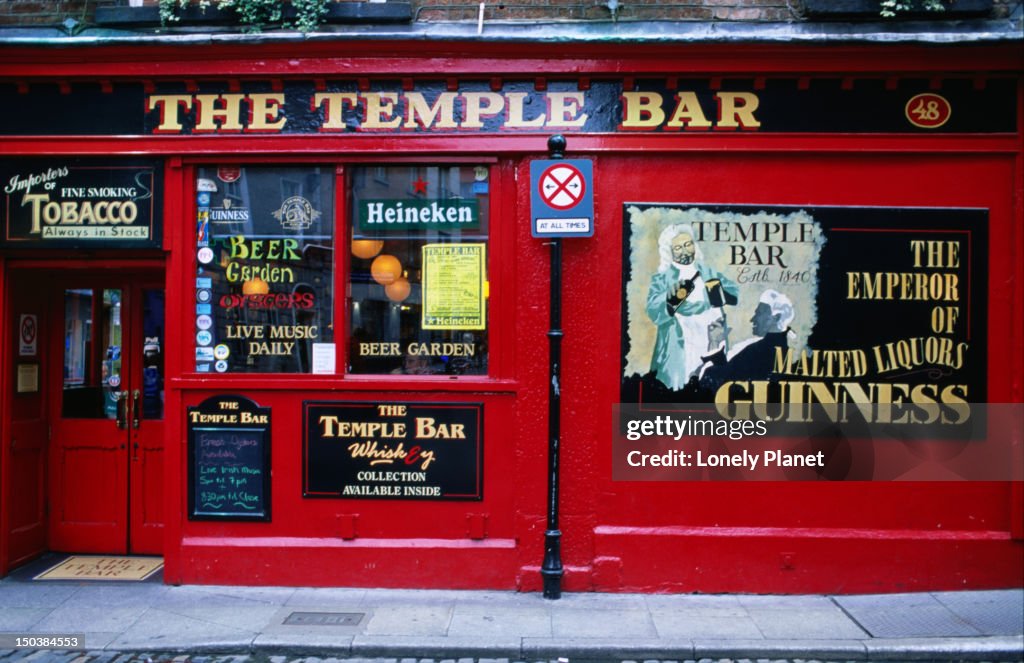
[{"x": 501, "y": 250}]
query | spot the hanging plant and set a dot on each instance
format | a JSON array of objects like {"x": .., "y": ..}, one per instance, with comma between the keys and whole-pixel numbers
[
  {"x": 255, "y": 15},
  {"x": 890, "y": 8}
]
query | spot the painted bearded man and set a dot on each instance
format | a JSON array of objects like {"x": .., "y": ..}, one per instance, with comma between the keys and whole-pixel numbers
[{"x": 679, "y": 304}]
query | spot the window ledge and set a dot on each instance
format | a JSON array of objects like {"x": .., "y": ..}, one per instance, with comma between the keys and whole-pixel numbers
[{"x": 338, "y": 383}]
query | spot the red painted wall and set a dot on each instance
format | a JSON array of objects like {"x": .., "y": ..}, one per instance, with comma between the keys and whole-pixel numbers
[
  {"x": 709, "y": 537},
  {"x": 784, "y": 537}
]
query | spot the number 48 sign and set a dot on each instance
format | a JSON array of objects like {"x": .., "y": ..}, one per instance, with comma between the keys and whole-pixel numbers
[{"x": 562, "y": 198}]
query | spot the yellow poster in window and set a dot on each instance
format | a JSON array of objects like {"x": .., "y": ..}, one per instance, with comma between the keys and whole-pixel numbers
[{"x": 454, "y": 278}]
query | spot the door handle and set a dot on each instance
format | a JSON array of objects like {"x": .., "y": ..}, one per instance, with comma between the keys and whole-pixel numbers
[
  {"x": 136, "y": 409},
  {"x": 121, "y": 409}
]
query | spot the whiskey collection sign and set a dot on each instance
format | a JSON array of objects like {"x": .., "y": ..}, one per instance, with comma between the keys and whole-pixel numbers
[{"x": 408, "y": 451}]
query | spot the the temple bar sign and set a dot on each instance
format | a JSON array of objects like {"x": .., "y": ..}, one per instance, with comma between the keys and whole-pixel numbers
[{"x": 643, "y": 104}]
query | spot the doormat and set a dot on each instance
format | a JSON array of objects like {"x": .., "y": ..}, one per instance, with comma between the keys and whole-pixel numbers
[{"x": 89, "y": 567}]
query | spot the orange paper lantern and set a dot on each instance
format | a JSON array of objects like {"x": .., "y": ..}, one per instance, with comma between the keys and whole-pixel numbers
[
  {"x": 398, "y": 290},
  {"x": 366, "y": 248},
  {"x": 255, "y": 286},
  {"x": 385, "y": 269}
]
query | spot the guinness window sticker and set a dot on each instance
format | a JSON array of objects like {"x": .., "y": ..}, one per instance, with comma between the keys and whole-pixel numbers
[{"x": 265, "y": 256}]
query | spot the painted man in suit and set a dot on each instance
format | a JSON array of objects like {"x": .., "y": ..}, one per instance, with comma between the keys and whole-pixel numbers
[{"x": 754, "y": 358}]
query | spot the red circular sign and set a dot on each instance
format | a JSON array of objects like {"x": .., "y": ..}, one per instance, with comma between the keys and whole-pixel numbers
[
  {"x": 28, "y": 330},
  {"x": 928, "y": 110},
  {"x": 562, "y": 186},
  {"x": 229, "y": 174}
]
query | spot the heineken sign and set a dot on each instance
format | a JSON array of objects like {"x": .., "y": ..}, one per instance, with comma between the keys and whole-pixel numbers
[{"x": 401, "y": 216}]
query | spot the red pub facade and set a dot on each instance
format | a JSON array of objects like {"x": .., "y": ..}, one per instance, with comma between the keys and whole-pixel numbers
[{"x": 277, "y": 309}]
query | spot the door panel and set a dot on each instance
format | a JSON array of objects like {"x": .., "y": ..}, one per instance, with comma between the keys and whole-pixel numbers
[
  {"x": 89, "y": 472},
  {"x": 146, "y": 423},
  {"x": 107, "y": 462},
  {"x": 26, "y": 438}
]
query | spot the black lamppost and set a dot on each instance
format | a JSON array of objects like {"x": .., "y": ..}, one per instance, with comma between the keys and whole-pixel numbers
[{"x": 551, "y": 570}]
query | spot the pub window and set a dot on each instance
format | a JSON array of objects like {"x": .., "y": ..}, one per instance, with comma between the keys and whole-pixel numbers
[
  {"x": 418, "y": 270},
  {"x": 265, "y": 260}
]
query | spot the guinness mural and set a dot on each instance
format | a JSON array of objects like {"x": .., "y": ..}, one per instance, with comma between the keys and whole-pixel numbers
[
  {"x": 817, "y": 305},
  {"x": 76, "y": 203}
]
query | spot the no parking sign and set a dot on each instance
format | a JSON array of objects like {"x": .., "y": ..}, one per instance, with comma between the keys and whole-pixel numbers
[
  {"x": 562, "y": 198},
  {"x": 28, "y": 335}
]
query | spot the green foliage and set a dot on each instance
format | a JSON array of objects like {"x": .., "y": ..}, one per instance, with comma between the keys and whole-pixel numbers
[
  {"x": 254, "y": 15},
  {"x": 309, "y": 14},
  {"x": 890, "y": 8}
]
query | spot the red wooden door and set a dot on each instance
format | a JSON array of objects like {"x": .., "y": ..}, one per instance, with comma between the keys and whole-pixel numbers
[
  {"x": 106, "y": 444},
  {"x": 25, "y": 408}
]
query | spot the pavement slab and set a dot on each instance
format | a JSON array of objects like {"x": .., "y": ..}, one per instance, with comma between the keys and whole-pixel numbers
[
  {"x": 37, "y": 594},
  {"x": 410, "y": 619},
  {"x": 21, "y": 619},
  {"x": 124, "y": 622},
  {"x": 86, "y": 619},
  {"x": 166, "y": 630},
  {"x": 905, "y": 615},
  {"x": 470, "y": 620},
  {"x": 692, "y": 624},
  {"x": 574, "y": 623},
  {"x": 992, "y": 613},
  {"x": 806, "y": 624},
  {"x": 326, "y": 596}
]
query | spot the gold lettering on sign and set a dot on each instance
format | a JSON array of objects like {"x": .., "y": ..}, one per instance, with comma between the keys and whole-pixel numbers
[
  {"x": 333, "y": 104},
  {"x": 421, "y": 114},
  {"x": 380, "y": 110},
  {"x": 470, "y": 110},
  {"x": 645, "y": 110},
  {"x": 223, "y": 107},
  {"x": 566, "y": 109}
]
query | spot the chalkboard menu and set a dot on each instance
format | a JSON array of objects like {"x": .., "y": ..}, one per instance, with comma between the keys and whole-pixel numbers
[
  {"x": 228, "y": 460},
  {"x": 398, "y": 451},
  {"x": 264, "y": 256}
]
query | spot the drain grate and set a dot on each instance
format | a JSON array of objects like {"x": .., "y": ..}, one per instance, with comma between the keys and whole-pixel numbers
[{"x": 324, "y": 618}]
